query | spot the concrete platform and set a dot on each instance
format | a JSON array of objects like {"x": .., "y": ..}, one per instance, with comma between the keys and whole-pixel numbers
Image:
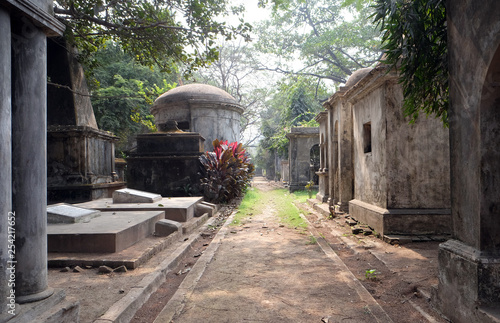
[
  {"x": 111, "y": 232},
  {"x": 131, "y": 257},
  {"x": 179, "y": 209}
]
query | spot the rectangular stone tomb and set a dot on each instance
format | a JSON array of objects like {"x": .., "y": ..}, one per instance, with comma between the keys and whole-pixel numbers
[
  {"x": 180, "y": 209},
  {"x": 111, "y": 232},
  {"x": 66, "y": 213},
  {"x": 128, "y": 195}
]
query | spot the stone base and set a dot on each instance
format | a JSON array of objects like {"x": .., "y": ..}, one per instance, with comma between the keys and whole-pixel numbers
[
  {"x": 469, "y": 284},
  {"x": 81, "y": 193},
  {"x": 322, "y": 198},
  {"x": 402, "y": 221},
  {"x": 111, "y": 232},
  {"x": 54, "y": 309},
  {"x": 180, "y": 209}
]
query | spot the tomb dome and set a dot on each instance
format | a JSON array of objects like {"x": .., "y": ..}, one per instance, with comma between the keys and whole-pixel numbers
[
  {"x": 357, "y": 76},
  {"x": 193, "y": 92},
  {"x": 201, "y": 108}
]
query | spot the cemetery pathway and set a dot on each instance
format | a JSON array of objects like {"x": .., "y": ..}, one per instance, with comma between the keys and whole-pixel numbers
[{"x": 264, "y": 272}]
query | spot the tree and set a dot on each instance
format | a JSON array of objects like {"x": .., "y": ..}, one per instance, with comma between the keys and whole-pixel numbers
[
  {"x": 126, "y": 92},
  {"x": 415, "y": 43},
  {"x": 293, "y": 104},
  {"x": 328, "y": 40},
  {"x": 158, "y": 32},
  {"x": 235, "y": 72}
]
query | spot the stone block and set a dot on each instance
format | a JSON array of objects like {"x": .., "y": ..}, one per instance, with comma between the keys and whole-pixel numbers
[
  {"x": 201, "y": 208},
  {"x": 128, "y": 195},
  {"x": 166, "y": 227},
  {"x": 65, "y": 213}
]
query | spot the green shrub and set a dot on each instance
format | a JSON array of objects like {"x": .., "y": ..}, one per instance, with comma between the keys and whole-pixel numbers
[{"x": 227, "y": 172}]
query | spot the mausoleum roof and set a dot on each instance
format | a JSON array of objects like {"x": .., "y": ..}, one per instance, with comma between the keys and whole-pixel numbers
[
  {"x": 357, "y": 76},
  {"x": 196, "y": 92}
]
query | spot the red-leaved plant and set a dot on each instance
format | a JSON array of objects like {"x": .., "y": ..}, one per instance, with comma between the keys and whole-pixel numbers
[{"x": 228, "y": 171}]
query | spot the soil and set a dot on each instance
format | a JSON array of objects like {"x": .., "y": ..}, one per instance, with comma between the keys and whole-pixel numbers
[{"x": 302, "y": 287}]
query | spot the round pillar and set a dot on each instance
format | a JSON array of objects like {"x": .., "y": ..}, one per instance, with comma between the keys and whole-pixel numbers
[
  {"x": 5, "y": 152},
  {"x": 29, "y": 165}
]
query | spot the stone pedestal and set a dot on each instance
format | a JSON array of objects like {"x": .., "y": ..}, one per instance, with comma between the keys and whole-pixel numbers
[
  {"x": 166, "y": 163},
  {"x": 322, "y": 185},
  {"x": 81, "y": 164}
]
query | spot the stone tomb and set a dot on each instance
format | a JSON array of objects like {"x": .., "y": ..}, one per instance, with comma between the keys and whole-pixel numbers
[
  {"x": 108, "y": 233},
  {"x": 128, "y": 195},
  {"x": 180, "y": 209},
  {"x": 66, "y": 213},
  {"x": 166, "y": 162}
]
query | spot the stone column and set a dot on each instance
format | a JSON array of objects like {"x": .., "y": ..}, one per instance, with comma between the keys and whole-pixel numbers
[
  {"x": 5, "y": 153},
  {"x": 29, "y": 165}
]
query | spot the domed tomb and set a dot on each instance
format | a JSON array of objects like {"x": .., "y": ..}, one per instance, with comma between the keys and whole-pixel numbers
[
  {"x": 357, "y": 76},
  {"x": 201, "y": 108}
]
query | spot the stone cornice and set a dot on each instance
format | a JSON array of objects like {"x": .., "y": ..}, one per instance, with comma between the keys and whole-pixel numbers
[{"x": 42, "y": 19}]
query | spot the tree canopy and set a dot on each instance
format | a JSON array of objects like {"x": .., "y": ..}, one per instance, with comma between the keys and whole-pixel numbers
[
  {"x": 157, "y": 32},
  {"x": 415, "y": 43},
  {"x": 328, "y": 37}
]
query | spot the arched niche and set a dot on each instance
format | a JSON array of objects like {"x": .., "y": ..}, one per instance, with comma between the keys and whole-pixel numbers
[{"x": 490, "y": 158}]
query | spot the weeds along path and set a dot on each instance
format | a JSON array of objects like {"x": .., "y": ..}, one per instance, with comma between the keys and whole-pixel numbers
[{"x": 266, "y": 269}]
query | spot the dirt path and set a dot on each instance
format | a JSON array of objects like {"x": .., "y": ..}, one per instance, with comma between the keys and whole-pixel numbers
[{"x": 264, "y": 272}]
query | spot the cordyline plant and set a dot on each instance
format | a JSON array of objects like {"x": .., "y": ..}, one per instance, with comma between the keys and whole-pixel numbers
[{"x": 228, "y": 172}]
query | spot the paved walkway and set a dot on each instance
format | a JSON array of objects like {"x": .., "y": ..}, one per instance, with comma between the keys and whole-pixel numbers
[{"x": 264, "y": 272}]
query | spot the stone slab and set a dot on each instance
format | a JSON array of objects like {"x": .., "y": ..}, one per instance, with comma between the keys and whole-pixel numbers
[
  {"x": 66, "y": 213},
  {"x": 128, "y": 195},
  {"x": 180, "y": 209},
  {"x": 111, "y": 232},
  {"x": 132, "y": 257}
]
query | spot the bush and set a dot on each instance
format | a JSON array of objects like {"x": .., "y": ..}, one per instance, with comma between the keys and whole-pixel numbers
[{"x": 228, "y": 172}]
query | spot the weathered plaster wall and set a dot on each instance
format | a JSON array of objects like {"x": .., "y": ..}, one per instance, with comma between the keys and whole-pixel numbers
[
  {"x": 418, "y": 168},
  {"x": 216, "y": 123},
  {"x": 474, "y": 33},
  {"x": 469, "y": 264},
  {"x": 370, "y": 181}
]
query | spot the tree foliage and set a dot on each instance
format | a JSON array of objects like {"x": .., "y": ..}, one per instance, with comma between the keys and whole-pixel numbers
[
  {"x": 415, "y": 43},
  {"x": 328, "y": 37},
  {"x": 125, "y": 93},
  {"x": 294, "y": 104},
  {"x": 157, "y": 32},
  {"x": 235, "y": 72}
]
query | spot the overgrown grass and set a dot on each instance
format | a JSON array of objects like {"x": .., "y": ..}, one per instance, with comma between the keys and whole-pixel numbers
[
  {"x": 287, "y": 211},
  {"x": 250, "y": 205},
  {"x": 302, "y": 195},
  {"x": 255, "y": 201}
]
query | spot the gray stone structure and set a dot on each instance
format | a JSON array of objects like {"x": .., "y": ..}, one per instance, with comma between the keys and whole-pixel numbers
[
  {"x": 302, "y": 142},
  {"x": 323, "y": 182},
  {"x": 340, "y": 152},
  {"x": 80, "y": 157},
  {"x": 401, "y": 171},
  {"x": 25, "y": 26},
  {"x": 285, "y": 171},
  {"x": 469, "y": 263},
  {"x": 167, "y": 163},
  {"x": 200, "y": 108}
]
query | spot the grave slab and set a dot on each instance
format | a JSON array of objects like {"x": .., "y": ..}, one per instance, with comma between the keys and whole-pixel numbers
[
  {"x": 109, "y": 233},
  {"x": 66, "y": 213},
  {"x": 180, "y": 209},
  {"x": 128, "y": 195}
]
